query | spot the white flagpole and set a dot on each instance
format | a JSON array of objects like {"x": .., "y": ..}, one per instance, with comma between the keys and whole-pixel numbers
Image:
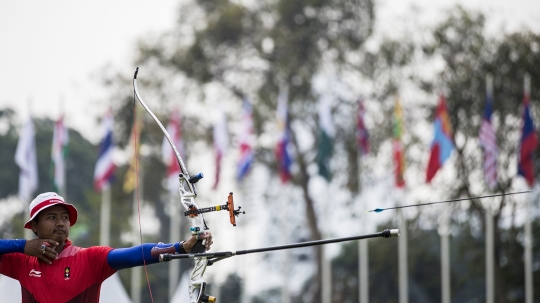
[
  {"x": 445, "y": 256},
  {"x": 363, "y": 259},
  {"x": 285, "y": 293},
  {"x": 136, "y": 271},
  {"x": 403, "y": 281},
  {"x": 528, "y": 251},
  {"x": 174, "y": 231},
  {"x": 326, "y": 293},
  {"x": 105, "y": 217},
  {"x": 63, "y": 189},
  {"x": 326, "y": 276},
  {"x": 402, "y": 258},
  {"x": 528, "y": 228},
  {"x": 490, "y": 250},
  {"x": 363, "y": 271}
]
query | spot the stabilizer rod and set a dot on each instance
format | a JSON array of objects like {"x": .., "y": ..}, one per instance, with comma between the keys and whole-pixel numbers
[{"x": 387, "y": 233}]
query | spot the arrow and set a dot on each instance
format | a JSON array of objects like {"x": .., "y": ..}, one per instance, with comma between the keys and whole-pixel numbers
[{"x": 378, "y": 210}]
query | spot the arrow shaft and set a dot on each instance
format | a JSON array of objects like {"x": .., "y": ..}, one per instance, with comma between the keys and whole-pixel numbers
[{"x": 457, "y": 200}]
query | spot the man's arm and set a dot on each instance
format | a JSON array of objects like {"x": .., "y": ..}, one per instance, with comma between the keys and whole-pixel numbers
[
  {"x": 12, "y": 246},
  {"x": 30, "y": 248},
  {"x": 148, "y": 253}
]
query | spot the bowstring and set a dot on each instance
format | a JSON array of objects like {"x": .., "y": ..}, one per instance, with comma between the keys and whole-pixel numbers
[{"x": 137, "y": 194}]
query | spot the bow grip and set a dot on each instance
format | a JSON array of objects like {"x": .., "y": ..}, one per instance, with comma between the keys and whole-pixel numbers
[{"x": 198, "y": 248}]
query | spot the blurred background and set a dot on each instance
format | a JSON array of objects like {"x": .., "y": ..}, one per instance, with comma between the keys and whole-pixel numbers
[{"x": 312, "y": 113}]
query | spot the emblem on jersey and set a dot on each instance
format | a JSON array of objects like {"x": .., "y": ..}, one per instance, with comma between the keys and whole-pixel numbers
[
  {"x": 67, "y": 272},
  {"x": 35, "y": 273}
]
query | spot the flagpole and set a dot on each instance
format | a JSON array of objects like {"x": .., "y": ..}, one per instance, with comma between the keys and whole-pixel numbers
[
  {"x": 403, "y": 256},
  {"x": 64, "y": 188},
  {"x": 138, "y": 192},
  {"x": 285, "y": 293},
  {"x": 105, "y": 216},
  {"x": 28, "y": 234},
  {"x": 363, "y": 149},
  {"x": 529, "y": 290},
  {"x": 445, "y": 255},
  {"x": 528, "y": 228},
  {"x": 326, "y": 293},
  {"x": 363, "y": 271},
  {"x": 490, "y": 251},
  {"x": 174, "y": 231}
]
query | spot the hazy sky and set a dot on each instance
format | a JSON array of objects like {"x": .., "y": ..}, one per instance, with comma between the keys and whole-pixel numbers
[{"x": 54, "y": 50}]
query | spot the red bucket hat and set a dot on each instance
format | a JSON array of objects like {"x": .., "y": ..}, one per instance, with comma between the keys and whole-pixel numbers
[{"x": 46, "y": 200}]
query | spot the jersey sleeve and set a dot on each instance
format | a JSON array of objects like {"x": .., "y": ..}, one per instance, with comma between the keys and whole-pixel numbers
[
  {"x": 10, "y": 264},
  {"x": 97, "y": 257}
]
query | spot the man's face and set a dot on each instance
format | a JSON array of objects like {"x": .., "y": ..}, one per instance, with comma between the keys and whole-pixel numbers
[{"x": 52, "y": 223}]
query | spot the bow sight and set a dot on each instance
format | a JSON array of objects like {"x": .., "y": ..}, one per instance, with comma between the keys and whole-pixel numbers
[{"x": 229, "y": 206}]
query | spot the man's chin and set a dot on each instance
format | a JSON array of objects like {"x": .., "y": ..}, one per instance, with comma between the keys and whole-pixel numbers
[{"x": 60, "y": 237}]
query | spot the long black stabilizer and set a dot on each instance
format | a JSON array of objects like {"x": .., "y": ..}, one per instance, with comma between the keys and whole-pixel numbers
[{"x": 387, "y": 233}]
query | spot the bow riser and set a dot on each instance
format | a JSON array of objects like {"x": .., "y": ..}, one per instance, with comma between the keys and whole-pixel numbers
[{"x": 188, "y": 193}]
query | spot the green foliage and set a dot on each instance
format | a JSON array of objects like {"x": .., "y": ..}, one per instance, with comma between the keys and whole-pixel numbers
[{"x": 9, "y": 183}]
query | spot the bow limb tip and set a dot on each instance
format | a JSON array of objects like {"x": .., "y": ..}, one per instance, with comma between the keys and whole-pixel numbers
[{"x": 136, "y": 72}]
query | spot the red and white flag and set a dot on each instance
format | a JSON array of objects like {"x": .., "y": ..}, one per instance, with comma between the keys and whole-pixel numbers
[
  {"x": 105, "y": 167},
  {"x": 174, "y": 128}
]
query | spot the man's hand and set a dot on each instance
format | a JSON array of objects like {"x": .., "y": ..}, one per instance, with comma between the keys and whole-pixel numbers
[
  {"x": 43, "y": 249},
  {"x": 188, "y": 245}
]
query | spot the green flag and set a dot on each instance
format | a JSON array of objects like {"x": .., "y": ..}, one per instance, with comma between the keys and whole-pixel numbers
[{"x": 325, "y": 140}]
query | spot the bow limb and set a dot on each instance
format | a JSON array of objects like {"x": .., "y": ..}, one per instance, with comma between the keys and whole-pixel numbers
[{"x": 188, "y": 193}]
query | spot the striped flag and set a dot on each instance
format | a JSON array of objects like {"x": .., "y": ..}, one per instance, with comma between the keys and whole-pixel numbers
[
  {"x": 282, "y": 152},
  {"x": 105, "y": 167},
  {"x": 362, "y": 135},
  {"x": 488, "y": 141},
  {"x": 399, "y": 154},
  {"x": 58, "y": 155},
  {"x": 245, "y": 137},
  {"x": 528, "y": 142},
  {"x": 25, "y": 157},
  {"x": 326, "y": 139},
  {"x": 221, "y": 142},
  {"x": 442, "y": 144},
  {"x": 174, "y": 128}
]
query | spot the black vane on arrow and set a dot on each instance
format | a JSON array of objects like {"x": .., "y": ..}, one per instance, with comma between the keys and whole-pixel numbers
[{"x": 378, "y": 210}]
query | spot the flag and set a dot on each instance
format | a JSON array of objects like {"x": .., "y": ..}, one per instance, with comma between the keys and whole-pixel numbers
[
  {"x": 282, "y": 152},
  {"x": 25, "y": 157},
  {"x": 442, "y": 144},
  {"x": 174, "y": 128},
  {"x": 221, "y": 142},
  {"x": 399, "y": 154},
  {"x": 326, "y": 138},
  {"x": 58, "y": 155},
  {"x": 130, "y": 178},
  {"x": 362, "y": 135},
  {"x": 245, "y": 138},
  {"x": 488, "y": 141},
  {"x": 104, "y": 171},
  {"x": 528, "y": 144}
]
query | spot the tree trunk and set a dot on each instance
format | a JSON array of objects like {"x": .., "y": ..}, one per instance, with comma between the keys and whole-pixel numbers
[{"x": 303, "y": 181}]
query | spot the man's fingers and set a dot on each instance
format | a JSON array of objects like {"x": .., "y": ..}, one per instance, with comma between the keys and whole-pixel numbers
[
  {"x": 44, "y": 258},
  {"x": 50, "y": 243}
]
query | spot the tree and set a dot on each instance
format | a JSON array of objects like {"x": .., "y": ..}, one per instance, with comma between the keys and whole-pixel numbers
[{"x": 254, "y": 51}]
